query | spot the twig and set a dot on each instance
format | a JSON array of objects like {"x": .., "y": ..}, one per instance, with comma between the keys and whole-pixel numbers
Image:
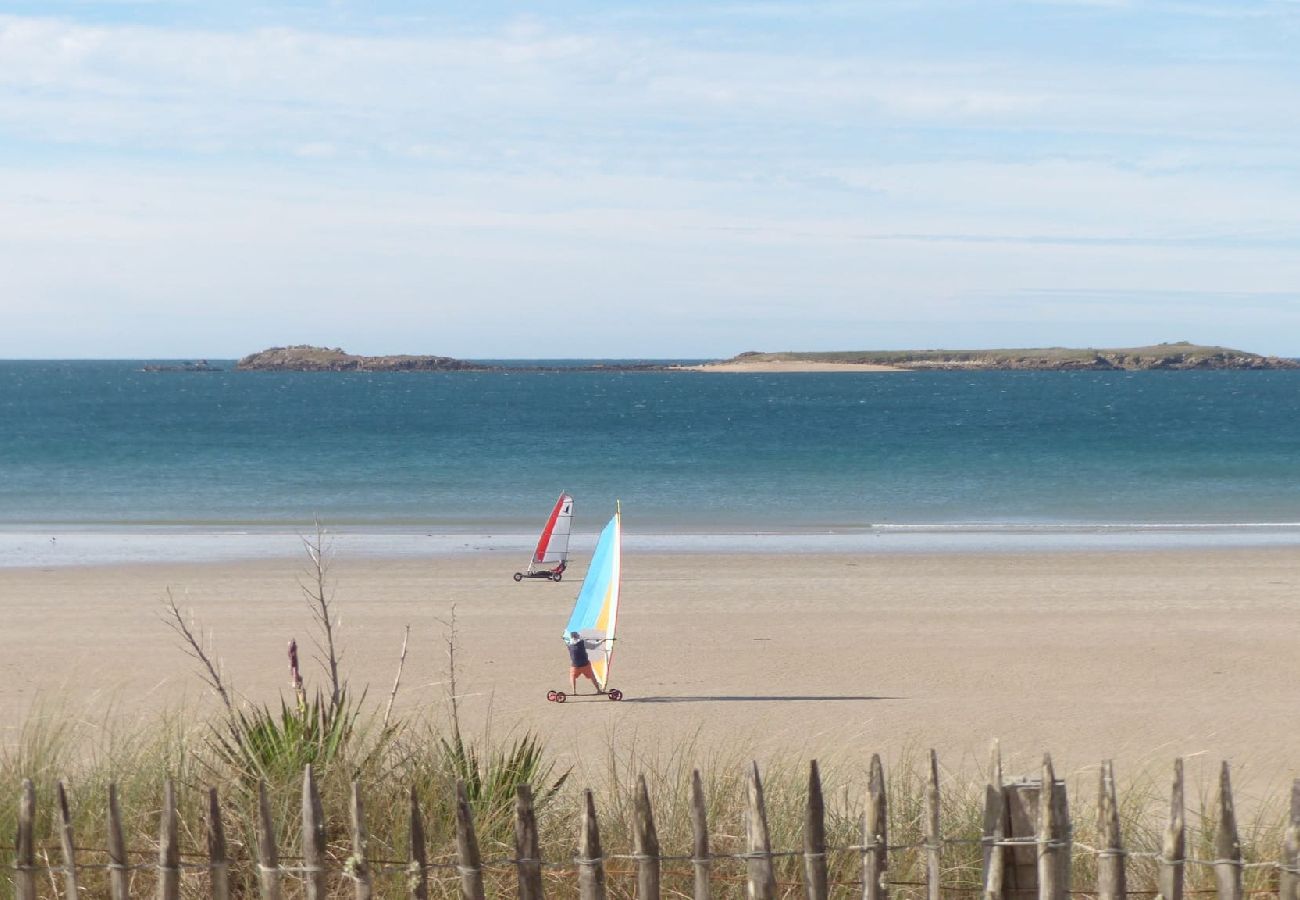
[
  {"x": 176, "y": 622},
  {"x": 450, "y": 637},
  {"x": 401, "y": 662},
  {"x": 318, "y": 601}
]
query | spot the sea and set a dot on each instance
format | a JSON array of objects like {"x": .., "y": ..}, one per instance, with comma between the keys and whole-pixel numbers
[{"x": 101, "y": 462}]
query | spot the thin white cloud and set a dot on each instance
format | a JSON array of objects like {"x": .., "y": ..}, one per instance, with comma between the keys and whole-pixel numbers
[
  {"x": 224, "y": 188},
  {"x": 276, "y": 90},
  {"x": 1248, "y": 9}
]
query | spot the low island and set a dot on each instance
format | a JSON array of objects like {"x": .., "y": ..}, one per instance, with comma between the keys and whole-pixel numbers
[
  {"x": 1175, "y": 356},
  {"x": 306, "y": 358}
]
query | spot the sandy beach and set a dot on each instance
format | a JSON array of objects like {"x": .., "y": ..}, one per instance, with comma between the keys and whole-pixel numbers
[{"x": 1135, "y": 655}]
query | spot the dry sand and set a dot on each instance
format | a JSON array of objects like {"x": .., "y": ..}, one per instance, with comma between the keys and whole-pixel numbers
[
  {"x": 770, "y": 366},
  {"x": 1137, "y": 655}
]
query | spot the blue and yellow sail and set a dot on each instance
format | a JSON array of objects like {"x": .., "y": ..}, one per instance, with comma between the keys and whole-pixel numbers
[{"x": 595, "y": 613}]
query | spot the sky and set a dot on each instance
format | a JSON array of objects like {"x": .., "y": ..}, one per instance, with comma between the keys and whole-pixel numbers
[{"x": 659, "y": 179}]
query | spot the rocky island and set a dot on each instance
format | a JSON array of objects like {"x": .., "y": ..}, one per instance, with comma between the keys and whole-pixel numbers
[
  {"x": 306, "y": 358},
  {"x": 1178, "y": 356}
]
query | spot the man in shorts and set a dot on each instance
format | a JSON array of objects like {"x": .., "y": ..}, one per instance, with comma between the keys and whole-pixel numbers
[{"x": 579, "y": 664}]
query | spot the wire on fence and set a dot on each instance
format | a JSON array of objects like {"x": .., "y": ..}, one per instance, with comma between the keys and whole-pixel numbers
[{"x": 385, "y": 866}]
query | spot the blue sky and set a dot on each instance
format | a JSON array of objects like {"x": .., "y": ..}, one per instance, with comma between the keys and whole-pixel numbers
[{"x": 664, "y": 179}]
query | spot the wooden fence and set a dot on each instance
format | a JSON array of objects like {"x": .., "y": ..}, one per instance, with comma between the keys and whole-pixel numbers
[{"x": 1027, "y": 848}]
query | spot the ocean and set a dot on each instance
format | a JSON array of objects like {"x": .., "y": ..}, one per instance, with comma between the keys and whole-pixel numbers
[{"x": 99, "y": 453}]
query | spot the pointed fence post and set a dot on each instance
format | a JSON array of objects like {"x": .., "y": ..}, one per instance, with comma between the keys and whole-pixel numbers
[
  {"x": 1053, "y": 852},
  {"x": 313, "y": 837},
  {"x": 528, "y": 852},
  {"x": 814, "y": 838},
  {"x": 933, "y": 839},
  {"x": 218, "y": 861},
  {"x": 417, "y": 869},
  {"x": 66, "y": 842},
  {"x": 169, "y": 851},
  {"x": 995, "y": 828},
  {"x": 25, "y": 845},
  {"x": 645, "y": 844},
  {"x": 591, "y": 861},
  {"x": 268, "y": 857},
  {"x": 358, "y": 867},
  {"x": 1288, "y": 884},
  {"x": 995, "y": 831},
  {"x": 1112, "y": 882},
  {"x": 1227, "y": 848},
  {"x": 471, "y": 865},
  {"x": 1174, "y": 845},
  {"x": 761, "y": 883},
  {"x": 118, "y": 874},
  {"x": 701, "y": 861},
  {"x": 875, "y": 835},
  {"x": 995, "y": 764},
  {"x": 1064, "y": 836}
]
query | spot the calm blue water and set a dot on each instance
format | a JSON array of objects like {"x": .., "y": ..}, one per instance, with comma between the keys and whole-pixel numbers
[{"x": 100, "y": 443}]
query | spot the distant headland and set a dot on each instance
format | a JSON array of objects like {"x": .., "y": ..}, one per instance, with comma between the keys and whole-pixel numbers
[{"x": 1175, "y": 356}]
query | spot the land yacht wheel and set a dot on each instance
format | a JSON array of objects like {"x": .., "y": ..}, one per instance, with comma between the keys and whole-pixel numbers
[{"x": 519, "y": 576}]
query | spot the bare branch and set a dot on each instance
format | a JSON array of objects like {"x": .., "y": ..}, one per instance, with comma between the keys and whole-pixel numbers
[
  {"x": 451, "y": 638},
  {"x": 194, "y": 647},
  {"x": 401, "y": 662},
  {"x": 319, "y": 597}
]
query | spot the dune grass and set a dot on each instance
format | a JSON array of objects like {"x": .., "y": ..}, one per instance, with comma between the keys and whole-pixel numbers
[{"x": 90, "y": 754}]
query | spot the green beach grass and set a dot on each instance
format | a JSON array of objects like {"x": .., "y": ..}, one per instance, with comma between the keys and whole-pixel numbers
[{"x": 91, "y": 753}]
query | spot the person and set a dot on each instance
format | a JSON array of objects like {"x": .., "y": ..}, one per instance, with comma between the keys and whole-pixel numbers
[{"x": 579, "y": 663}]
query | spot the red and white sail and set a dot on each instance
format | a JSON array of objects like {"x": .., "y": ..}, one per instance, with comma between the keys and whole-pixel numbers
[{"x": 553, "y": 545}]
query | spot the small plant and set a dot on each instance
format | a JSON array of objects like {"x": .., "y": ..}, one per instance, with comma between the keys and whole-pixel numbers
[
  {"x": 492, "y": 777},
  {"x": 259, "y": 744}
]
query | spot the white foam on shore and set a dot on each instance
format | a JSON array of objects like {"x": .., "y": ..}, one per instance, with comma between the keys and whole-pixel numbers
[{"x": 67, "y": 546}]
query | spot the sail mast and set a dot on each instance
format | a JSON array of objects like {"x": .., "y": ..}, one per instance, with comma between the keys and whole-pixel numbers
[{"x": 616, "y": 588}]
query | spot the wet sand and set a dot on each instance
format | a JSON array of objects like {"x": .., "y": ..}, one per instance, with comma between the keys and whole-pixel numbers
[{"x": 1136, "y": 655}]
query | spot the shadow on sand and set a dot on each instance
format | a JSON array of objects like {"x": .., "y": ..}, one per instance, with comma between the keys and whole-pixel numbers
[{"x": 758, "y": 698}]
